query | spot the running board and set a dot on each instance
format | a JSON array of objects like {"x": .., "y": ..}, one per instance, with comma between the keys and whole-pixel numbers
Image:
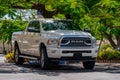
[{"x": 29, "y": 57}]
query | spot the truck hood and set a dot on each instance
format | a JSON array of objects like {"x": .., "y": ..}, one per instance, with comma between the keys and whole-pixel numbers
[{"x": 59, "y": 33}]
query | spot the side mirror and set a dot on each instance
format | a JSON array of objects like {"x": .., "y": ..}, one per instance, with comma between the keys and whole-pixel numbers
[
  {"x": 32, "y": 29},
  {"x": 87, "y": 30}
]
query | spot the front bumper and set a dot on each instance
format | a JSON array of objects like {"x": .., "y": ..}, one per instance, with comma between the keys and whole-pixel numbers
[{"x": 72, "y": 53}]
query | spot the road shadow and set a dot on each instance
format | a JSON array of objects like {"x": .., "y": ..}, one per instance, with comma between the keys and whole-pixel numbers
[{"x": 57, "y": 70}]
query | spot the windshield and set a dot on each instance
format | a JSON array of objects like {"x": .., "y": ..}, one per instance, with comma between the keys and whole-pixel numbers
[{"x": 60, "y": 25}]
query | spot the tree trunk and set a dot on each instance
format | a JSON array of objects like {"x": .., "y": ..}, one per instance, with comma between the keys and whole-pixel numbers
[
  {"x": 109, "y": 37},
  {"x": 100, "y": 42},
  {"x": 11, "y": 46},
  {"x": 41, "y": 7},
  {"x": 43, "y": 11},
  {"x": 112, "y": 43},
  {"x": 118, "y": 40},
  {"x": 4, "y": 49}
]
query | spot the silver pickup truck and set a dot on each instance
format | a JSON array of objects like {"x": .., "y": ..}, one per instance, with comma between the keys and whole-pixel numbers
[{"x": 51, "y": 41}]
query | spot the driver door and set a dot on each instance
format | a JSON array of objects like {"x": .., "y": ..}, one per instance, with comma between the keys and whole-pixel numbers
[{"x": 31, "y": 39}]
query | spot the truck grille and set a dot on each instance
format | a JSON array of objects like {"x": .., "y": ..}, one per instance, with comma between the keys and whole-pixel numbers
[{"x": 75, "y": 42}]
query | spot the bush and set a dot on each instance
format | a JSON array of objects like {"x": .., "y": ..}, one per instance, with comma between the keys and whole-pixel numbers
[
  {"x": 9, "y": 56},
  {"x": 105, "y": 46},
  {"x": 107, "y": 53}
]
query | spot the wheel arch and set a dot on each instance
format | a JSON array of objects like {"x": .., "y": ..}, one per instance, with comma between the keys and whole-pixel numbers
[
  {"x": 15, "y": 44},
  {"x": 42, "y": 45}
]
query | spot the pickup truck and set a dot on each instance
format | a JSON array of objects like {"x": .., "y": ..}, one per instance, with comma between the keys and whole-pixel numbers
[{"x": 53, "y": 40}]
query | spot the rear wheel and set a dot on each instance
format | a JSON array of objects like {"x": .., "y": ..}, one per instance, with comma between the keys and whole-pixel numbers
[
  {"x": 44, "y": 62},
  {"x": 89, "y": 64},
  {"x": 18, "y": 60}
]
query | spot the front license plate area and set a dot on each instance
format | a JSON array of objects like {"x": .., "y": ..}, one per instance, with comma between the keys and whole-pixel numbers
[{"x": 77, "y": 55}]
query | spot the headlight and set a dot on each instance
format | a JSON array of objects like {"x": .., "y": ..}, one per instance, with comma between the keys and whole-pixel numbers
[{"x": 52, "y": 41}]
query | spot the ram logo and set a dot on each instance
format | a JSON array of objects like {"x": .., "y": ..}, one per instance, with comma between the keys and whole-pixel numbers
[{"x": 76, "y": 41}]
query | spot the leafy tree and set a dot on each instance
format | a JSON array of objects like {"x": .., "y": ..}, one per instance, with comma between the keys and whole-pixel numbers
[
  {"x": 101, "y": 16},
  {"x": 107, "y": 14},
  {"x": 7, "y": 27}
]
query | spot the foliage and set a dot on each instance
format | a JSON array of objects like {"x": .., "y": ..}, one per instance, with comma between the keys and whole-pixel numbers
[
  {"x": 107, "y": 24},
  {"x": 105, "y": 46},
  {"x": 107, "y": 53},
  {"x": 9, "y": 56},
  {"x": 101, "y": 16},
  {"x": 61, "y": 16},
  {"x": 7, "y": 27}
]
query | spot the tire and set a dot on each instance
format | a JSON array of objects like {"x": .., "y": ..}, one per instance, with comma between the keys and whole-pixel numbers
[
  {"x": 44, "y": 62},
  {"x": 18, "y": 60},
  {"x": 89, "y": 64}
]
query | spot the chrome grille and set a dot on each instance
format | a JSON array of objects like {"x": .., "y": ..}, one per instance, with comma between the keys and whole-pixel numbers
[{"x": 75, "y": 42}]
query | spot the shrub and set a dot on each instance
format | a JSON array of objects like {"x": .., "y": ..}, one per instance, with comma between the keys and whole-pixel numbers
[
  {"x": 9, "y": 56},
  {"x": 108, "y": 54},
  {"x": 105, "y": 46}
]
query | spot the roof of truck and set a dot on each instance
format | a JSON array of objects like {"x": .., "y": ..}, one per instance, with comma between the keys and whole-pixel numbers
[{"x": 51, "y": 19}]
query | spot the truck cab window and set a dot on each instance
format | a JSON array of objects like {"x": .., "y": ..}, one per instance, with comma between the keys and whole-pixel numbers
[{"x": 34, "y": 26}]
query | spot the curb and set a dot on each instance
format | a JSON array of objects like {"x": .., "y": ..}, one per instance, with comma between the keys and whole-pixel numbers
[{"x": 108, "y": 61}]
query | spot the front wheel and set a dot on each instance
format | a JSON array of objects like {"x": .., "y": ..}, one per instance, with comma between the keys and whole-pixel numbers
[
  {"x": 89, "y": 64},
  {"x": 18, "y": 60},
  {"x": 44, "y": 62}
]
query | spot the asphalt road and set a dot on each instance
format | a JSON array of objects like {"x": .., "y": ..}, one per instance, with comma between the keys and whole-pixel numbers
[{"x": 102, "y": 71}]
